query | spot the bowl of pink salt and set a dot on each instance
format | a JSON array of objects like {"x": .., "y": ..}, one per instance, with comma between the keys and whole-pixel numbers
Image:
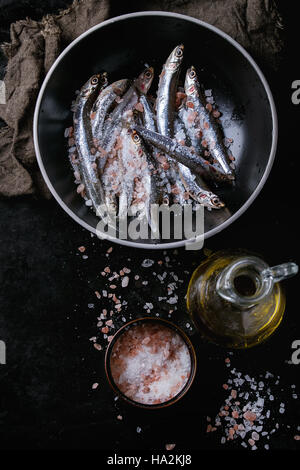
[{"x": 150, "y": 363}]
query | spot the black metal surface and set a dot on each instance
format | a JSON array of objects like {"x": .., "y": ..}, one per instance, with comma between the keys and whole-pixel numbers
[
  {"x": 46, "y": 401},
  {"x": 238, "y": 90}
]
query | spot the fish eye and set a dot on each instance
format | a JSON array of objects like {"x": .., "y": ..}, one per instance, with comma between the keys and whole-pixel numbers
[
  {"x": 136, "y": 138},
  {"x": 94, "y": 81},
  {"x": 216, "y": 201},
  {"x": 192, "y": 74},
  {"x": 179, "y": 52},
  {"x": 148, "y": 74}
]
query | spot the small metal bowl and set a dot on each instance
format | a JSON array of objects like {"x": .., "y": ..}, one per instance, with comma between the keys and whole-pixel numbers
[{"x": 170, "y": 325}]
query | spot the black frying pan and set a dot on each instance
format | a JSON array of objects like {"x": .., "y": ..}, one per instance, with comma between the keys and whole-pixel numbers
[{"x": 121, "y": 46}]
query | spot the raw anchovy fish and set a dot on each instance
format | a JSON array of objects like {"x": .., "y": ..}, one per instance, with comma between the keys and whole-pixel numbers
[
  {"x": 84, "y": 142},
  {"x": 103, "y": 103},
  {"x": 181, "y": 153},
  {"x": 114, "y": 121},
  {"x": 165, "y": 109},
  {"x": 198, "y": 190},
  {"x": 159, "y": 174},
  {"x": 149, "y": 182},
  {"x": 211, "y": 136},
  {"x": 196, "y": 187},
  {"x": 140, "y": 84},
  {"x": 166, "y": 93}
]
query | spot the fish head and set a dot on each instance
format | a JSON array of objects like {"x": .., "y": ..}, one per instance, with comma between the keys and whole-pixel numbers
[
  {"x": 175, "y": 58},
  {"x": 120, "y": 86},
  {"x": 90, "y": 85},
  {"x": 144, "y": 80},
  {"x": 191, "y": 82},
  {"x": 136, "y": 138},
  {"x": 210, "y": 200}
]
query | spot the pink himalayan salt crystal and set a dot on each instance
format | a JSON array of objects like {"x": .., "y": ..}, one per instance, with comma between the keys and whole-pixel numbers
[
  {"x": 170, "y": 446},
  {"x": 80, "y": 188},
  {"x": 249, "y": 416}
]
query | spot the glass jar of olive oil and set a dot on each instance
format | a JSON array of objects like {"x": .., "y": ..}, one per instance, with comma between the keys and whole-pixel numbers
[{"x": 235, "y": 299}]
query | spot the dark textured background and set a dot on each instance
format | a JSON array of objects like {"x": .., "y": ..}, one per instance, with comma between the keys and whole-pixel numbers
[{"x": 46, "y": 399}]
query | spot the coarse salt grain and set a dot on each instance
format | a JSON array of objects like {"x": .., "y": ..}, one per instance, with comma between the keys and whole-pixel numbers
[
  {"x": 125, "y": 281},
  {"x": 147, "y": 263}
]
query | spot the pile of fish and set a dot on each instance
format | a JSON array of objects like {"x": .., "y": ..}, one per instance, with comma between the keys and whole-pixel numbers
[{"x": 129, "y": 150}]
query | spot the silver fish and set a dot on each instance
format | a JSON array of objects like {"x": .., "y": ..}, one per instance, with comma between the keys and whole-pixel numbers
[
  {"x": 149, "y": 120},
  {"x": 84, "y": 142},
  {"x": 198, "y": 190},
  {"x": 181, "y": 153},
  {"x": 141, "y": 84},
  {"x": 165, "y": 109},
  {"x": 211, "y": 137},
  {"x": 104, "y": 101},
  {"x": 114, "y": 122},
  {"x": 166, "y": 93},
  {"x": 159, "y": 174},
  {"x": 149, "y": 182},
  {"x": 196, "y": 187}
]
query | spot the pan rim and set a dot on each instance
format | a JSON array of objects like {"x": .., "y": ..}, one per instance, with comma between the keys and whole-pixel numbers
[{"x": 231, "y": 219}]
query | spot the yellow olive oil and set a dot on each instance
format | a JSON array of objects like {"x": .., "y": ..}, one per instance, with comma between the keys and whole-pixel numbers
[{"x": 246, "y": 312}]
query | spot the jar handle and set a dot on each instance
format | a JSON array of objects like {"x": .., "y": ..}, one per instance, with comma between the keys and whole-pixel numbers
[{"x": 280, "y": 272}]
